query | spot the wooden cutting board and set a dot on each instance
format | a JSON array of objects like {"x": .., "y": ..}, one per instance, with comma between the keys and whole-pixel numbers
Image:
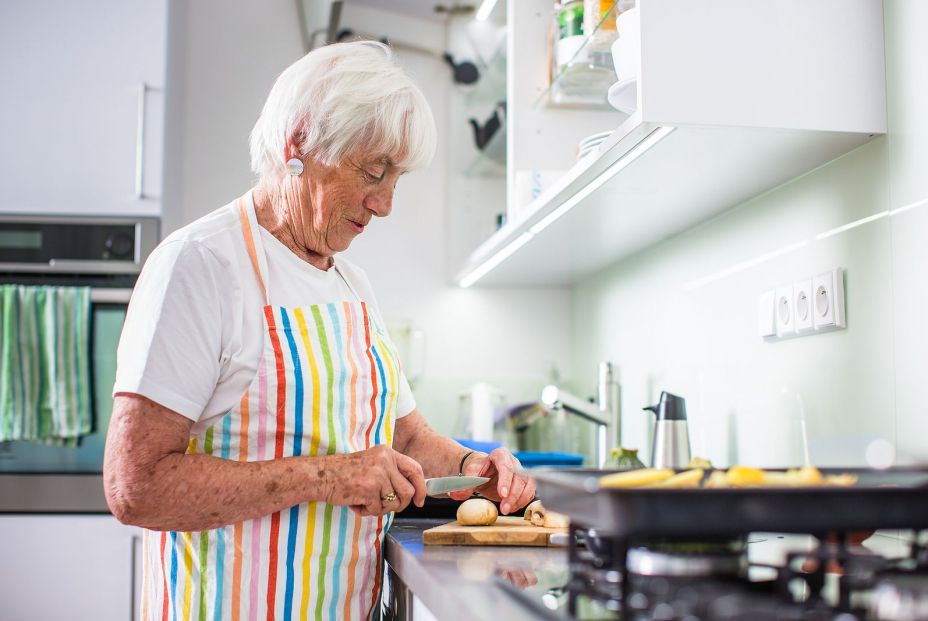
[{"x": 507, "y": 531}]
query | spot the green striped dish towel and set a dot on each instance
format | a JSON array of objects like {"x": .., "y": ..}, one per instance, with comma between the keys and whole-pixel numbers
[{"x": 45, "y": 390}]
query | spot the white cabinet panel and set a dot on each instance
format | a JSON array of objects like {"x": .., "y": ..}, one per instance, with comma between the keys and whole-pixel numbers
[
  {"x": 71, "y": 133},
  {"x": 76, "y": 567}
]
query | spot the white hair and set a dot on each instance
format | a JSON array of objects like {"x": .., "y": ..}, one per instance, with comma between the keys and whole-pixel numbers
[{"x": 341, "y": 99}]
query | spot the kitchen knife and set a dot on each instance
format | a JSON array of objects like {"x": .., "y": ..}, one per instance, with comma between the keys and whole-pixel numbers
[{"x": 442, "y": 485}]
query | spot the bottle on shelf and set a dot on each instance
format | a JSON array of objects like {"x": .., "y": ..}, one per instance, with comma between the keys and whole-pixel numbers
[{"x": 581, "y": 62}]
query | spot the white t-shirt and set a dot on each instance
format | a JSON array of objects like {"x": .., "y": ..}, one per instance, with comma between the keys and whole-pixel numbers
[{"x": 195, "y": 329}]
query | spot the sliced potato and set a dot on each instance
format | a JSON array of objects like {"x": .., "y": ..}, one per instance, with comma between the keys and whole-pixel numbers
[
  {"x": 636, "y": 478},
  {"x": 532, "y": 509},
  {"x": 841, "y": 480},
  {"x": 690, "y": 478},
  {"x": 699, "y": 462},
  {"x": 743, "y": 476},
  {"x": 807, "y": 476},
  {"x": 556, "y": 520},
  {"x": 718, "y": 479}
]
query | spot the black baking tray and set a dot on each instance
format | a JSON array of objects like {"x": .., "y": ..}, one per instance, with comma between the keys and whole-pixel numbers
[{"x": 884, "y": 499}]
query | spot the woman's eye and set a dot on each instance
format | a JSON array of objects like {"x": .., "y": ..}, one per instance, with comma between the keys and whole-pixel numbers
[{"x": 374, "y": 175}]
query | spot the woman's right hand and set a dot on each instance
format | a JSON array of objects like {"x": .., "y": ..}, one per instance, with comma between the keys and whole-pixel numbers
[{"x": 365, "y": 480}]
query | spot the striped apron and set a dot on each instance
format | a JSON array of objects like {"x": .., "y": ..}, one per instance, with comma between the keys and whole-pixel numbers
[{"x": 327, "y": 383}]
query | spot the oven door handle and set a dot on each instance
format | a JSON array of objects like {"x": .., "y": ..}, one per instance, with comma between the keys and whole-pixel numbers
[
  {"x": 102, "y": 295},
  {"x": 140, "y": 143}
]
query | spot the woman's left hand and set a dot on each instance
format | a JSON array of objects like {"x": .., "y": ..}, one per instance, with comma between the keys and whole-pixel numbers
[{"x": 507, "y": 485}]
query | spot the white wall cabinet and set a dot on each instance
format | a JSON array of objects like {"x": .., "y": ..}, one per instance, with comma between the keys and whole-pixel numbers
[
  {"x": 734, "y": 97},
  {"x": 76, "y": 567},
  {"x": 82, "y": 110}
]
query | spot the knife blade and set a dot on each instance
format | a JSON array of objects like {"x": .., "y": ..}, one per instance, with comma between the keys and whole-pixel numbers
[{"x": 440, "y": 486}]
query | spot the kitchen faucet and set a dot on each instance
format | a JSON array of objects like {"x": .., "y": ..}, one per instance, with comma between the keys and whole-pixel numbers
[{"x": 606, "y": 413}]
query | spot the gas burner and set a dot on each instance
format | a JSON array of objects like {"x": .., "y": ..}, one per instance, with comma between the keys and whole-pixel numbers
[
  {"x": 900, "y": 598},
  {"x": 676, "y": 580},
  {"x": 688, "y": 559}
]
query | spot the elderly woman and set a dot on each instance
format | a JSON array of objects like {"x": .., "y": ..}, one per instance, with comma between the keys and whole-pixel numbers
[{"x": 263, "y": 431}]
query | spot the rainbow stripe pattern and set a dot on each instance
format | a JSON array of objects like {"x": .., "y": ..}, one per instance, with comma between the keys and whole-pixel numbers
[{"x": 327, "y": 383}]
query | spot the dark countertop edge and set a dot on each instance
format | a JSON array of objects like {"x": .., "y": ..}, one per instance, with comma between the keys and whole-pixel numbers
[{"x": 48, "y": 493}]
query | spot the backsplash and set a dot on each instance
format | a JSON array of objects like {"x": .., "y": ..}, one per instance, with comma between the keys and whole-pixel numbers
[{"x": 682, "y": 316}]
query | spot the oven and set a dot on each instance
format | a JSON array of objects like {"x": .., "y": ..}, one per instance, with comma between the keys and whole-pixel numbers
[{"x": 105, "y": 254}]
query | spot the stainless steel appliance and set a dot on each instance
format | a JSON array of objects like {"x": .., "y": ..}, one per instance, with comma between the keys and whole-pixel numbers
[
  {"x": 105, "y": 254},
  {"x": 685, "y": 555},
  {"x": 671, "y": 447}
]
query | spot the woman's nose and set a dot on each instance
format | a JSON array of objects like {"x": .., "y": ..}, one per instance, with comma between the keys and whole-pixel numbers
[{"x": 380, "y": 202}]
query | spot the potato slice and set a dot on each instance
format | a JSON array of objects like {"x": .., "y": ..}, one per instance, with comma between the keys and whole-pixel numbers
[
  {"x": 690, "y": 478},
  {"x": 532, "y": 509},
  {"x": 636, "y": 478},
  {"x": 556, "y": 520},
  {"x": 808, "y": 476},
  {"x": 742, "y": 476},
  {"x": 841, "y": 480}
]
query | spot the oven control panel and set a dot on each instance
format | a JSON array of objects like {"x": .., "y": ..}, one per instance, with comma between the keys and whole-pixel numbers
[{"x": 76, "y": 245}]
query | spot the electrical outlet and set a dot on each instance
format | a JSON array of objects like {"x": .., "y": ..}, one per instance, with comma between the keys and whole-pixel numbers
[
  {"x": 784, "y": 312},
  {"x": 828, "y": 300},
  {"x": 802, "y": 306},
  {"x": 808, "y": 306},
  {"x": 766, "y": 316}
]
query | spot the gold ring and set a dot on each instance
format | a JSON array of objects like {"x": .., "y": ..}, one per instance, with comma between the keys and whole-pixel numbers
[{"x": 389, "y": 497}]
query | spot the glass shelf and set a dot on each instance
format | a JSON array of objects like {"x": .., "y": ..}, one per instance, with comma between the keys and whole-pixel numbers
[
  {"x": 491, "y": 160},
  {"x": 491, "y": 87},
  {"x": 583, "y": 81}
]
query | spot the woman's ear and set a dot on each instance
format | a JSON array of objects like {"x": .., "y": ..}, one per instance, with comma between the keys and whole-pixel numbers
[
  {"x": 294, "y": 145},
  {"x": 291, "y": 150}
]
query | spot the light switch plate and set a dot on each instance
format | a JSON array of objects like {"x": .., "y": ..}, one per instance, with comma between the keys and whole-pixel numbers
[
  {"x": 828, "y": 300},
  {"x": 802, "y": 306},
  {"x": 766, "y": 318},
  {"x": 784, "y": 312}
]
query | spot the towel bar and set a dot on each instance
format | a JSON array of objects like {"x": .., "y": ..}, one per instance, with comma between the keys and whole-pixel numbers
[{"x": 100, "y": 295}]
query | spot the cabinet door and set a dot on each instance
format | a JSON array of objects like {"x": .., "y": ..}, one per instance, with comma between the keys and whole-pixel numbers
[
  {"x": 76, "y": 567},
  {"x": 82, "y": 106}
]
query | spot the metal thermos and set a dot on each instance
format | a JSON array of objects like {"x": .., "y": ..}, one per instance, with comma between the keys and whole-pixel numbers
[{"x": 671, "y": 448}]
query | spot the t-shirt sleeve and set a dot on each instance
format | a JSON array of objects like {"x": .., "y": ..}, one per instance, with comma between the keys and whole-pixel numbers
[
  {"x": 406, "y": 403},
  {"x": 171, "y": 345}
]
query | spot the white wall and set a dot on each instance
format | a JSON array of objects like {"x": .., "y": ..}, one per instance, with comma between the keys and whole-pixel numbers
[
  {"x": 223, "y": 59},
  {"x": 746, "y": 397}
]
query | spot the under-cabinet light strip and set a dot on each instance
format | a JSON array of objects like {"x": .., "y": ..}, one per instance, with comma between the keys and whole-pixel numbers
[
  {"x": 652, "y": 139},
  {"x": 484, "y": 268},
  {"x": 486, "y": 8},
  {"x": 508, "y": 250}
]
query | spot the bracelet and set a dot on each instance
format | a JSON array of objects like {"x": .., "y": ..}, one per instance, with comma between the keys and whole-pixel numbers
[{"x": 463, "y": 459}]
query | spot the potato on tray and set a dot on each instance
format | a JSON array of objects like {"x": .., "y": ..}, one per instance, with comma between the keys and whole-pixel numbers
[{"x": 736, "y": 476}]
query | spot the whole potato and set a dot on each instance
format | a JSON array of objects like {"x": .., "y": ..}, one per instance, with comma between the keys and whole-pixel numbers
[{"x": 477, "y": 512}]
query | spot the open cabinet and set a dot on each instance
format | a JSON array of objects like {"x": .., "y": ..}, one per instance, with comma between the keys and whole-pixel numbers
[{"x": 733, "y": 98}]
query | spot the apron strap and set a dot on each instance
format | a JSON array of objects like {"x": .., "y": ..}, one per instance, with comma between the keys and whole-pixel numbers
[{"x": 252, "y": 235}]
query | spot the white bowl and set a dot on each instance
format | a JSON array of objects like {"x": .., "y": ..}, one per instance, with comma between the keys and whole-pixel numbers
[{"x": 623, "y": 96}]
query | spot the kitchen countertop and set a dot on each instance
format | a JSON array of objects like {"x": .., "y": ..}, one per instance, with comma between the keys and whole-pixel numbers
[
  {"x": 452, "y": 579},
  {"x": 485, "y": 580}
]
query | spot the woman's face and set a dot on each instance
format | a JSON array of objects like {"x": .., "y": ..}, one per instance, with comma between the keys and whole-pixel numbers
[{"x": 337, "y": 203}]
